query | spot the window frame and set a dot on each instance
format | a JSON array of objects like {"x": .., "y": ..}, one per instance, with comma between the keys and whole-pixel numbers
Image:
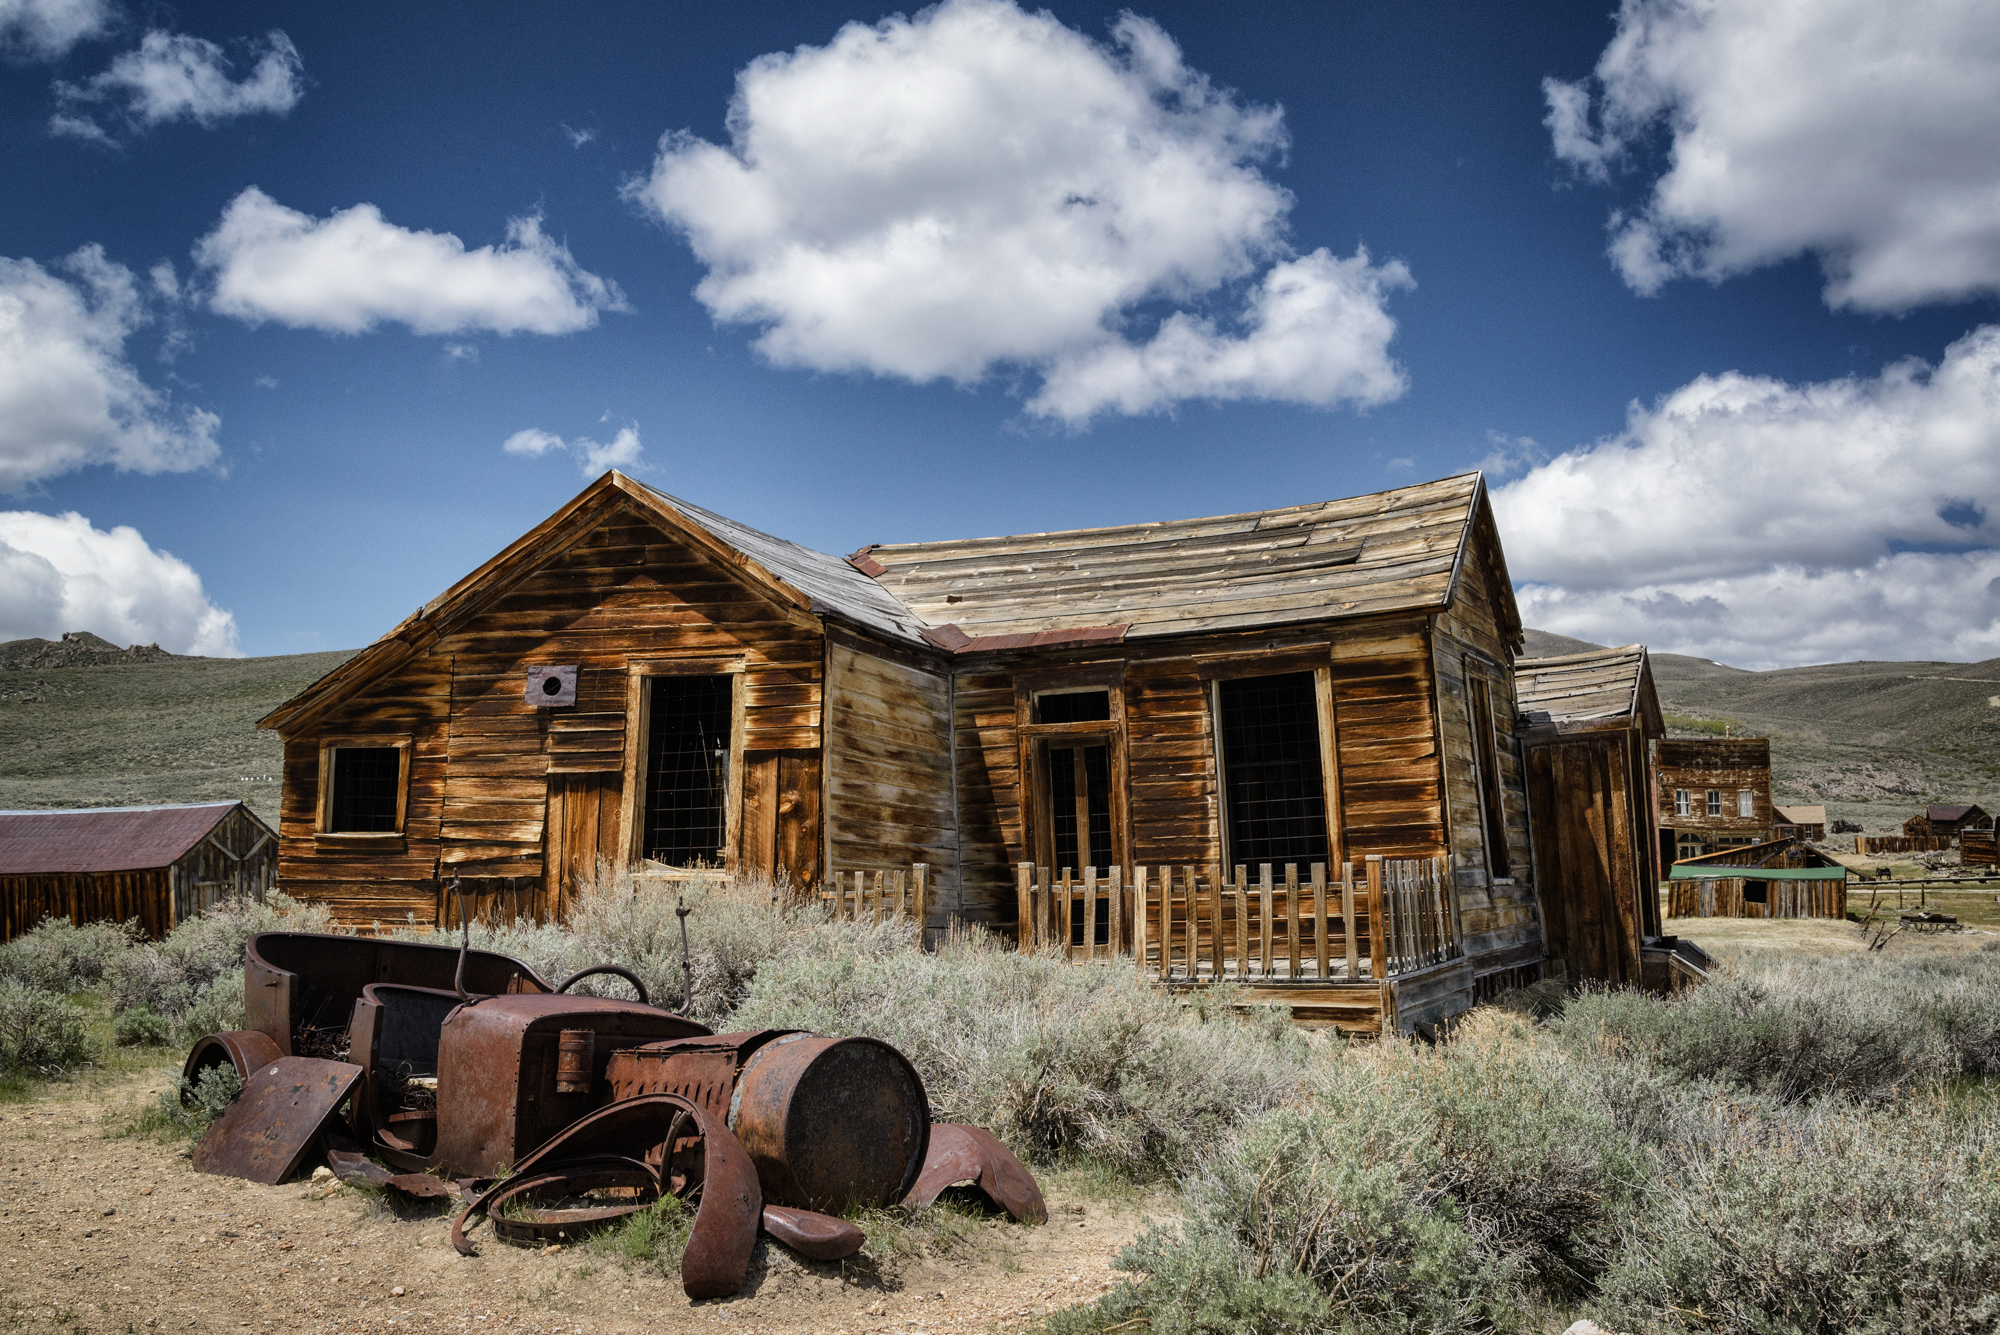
[
  {"x": 1032, "y": 741},
  {"x": 1481, "y": 681},
  {"x": 1683, "y": 802},
  {"x": 1329, "y": 767},
  {"x": 403, "y": 744},
  {"x": 1746, "y": 803},
  {"x": 1714, "y": 804},
  {"x": 639, "y": 675}
]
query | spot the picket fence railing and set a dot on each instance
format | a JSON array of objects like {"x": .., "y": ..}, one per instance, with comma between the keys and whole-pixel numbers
[
  {"x": 1188, "y": 924},
  {"x": 877, "y": 895}
]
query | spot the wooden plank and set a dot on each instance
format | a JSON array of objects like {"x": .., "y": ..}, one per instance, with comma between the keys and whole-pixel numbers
[
  {"x": 1319, "y": 920},
  {"x": 1292, "y": 920},
  {"x": 1089, "y": 909},
  {"x": 1265, "y": 945},
  {"x": 1140, "y": 914}
]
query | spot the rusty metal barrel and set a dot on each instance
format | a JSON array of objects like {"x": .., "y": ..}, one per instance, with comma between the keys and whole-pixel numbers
[{"x": 832, "y": 1122}]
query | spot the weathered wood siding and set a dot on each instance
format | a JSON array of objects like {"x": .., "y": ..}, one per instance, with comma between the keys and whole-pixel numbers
[
  {"x": 520, "y": 801},
  {"x": 1498, "y": 913},
  {"x": 987, "y": 766},
  {"x": 1728, "y": 766},
  {"x": 889, "y": 777},
  {"x": 87, "y": 897},
  {"x": 1591, "y": 844},
  {"x": 1170, "y": 759},
  {"x": 1385, "y": 738}
]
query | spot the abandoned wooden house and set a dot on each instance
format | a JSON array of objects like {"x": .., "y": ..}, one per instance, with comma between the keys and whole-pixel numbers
[
  {"x": 1587, "y": 725},
  {"x": 1153, "y": 707},
  {"x": 1712, "y": 795},
  {"x": 1777, "y": 878},
  {"x": 1946, "y": 821},
  {"x": 159, "y": 865},
  {"x": 1808, "y": 823}
]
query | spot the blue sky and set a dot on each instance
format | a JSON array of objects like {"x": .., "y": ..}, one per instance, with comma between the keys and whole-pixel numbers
[{"x": 1656, "y": 298}]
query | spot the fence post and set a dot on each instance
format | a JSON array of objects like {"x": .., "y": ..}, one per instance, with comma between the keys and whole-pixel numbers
[
  {"x": 1166, "y": 923},
  {"x": 1319, "y": 917},
  {"x": 1217, "y": 951},
  {"x": 1090, "y": 913},
  {"x": 1024, "y": 911},
  {"x": 1292, "y": 920},
  {"x": 1378, "y": 936},
  {"x": 1066, "y": 897},
  {"x": 1139, "y": 917},
  {"x": 1115, "y": 898},
  {"x": 920, "y": 873},
  {"x": 1347, "y": 922}
]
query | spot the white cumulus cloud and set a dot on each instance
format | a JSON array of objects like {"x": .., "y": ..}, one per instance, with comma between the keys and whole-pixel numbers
[
  {"x": 47, "y": 29},
  {"x": 175, "y": 77},
  {"x": 592, "y": 457},
  {"x": 1854, "y": 131},
  {"x": 59, "y": 572},
  {"x": 69, "y": 398},
  {"x": 1765, "y": 524},
  {"x": 978, "y": 189},
  {"x": 354, "y": 270}
]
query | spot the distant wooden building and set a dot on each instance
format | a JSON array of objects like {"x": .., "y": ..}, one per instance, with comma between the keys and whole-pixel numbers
[
  {"x": 1587, "y": 722},
  {"x": 1713, "y": 795},
  {"x": 1779, "y": 878},
  {"x": 1946, "y": 822},
  {"x": 1800, "y": 822},
  {"x": 639, "y": 678},
  {"x": 160, "y": 865}
]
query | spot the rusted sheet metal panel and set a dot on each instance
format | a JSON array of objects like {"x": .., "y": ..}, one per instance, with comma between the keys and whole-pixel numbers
[
  {"x": 961, "y": 1155},
  {"x": 832, "y": 1123},
  {"x": 266, "y": 1131},
  {"x": 104, "y": 839}
]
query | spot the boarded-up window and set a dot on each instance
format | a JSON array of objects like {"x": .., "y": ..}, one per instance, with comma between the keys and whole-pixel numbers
[
  {"x": 1487, "y": 756},
  {"x": 1273, "y": 788},
  {"x": 367, "y": 782},
  {"x": 687, "y": 763}
]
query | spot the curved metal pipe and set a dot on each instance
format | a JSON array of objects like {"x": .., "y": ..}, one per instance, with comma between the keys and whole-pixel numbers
[
  {"x": 464, "y": 942},
  {"x": 618, "y": 969}
]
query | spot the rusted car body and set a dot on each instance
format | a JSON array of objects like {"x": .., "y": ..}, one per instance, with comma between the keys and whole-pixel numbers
[{"x": 555, "y": 1112}]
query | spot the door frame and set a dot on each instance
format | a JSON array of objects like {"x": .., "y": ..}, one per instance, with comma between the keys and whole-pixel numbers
[{"x": 1038, "y": 834}]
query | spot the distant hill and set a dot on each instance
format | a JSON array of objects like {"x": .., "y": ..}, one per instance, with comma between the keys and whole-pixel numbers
[
  {"x": 85, "y": 723},
  {"x": 1873, "y": 741}
]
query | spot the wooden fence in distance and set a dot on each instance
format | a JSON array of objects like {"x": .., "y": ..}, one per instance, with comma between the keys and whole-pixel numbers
[
  {"x": 1870, "y": 844},
  {"x": 1724, "y": 897},
  {"x": 1977, "y": 848},
  {"x": 1188, "y": 924}
]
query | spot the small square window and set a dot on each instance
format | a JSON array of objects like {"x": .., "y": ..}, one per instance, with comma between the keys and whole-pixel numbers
[{"x": 366, "y": 790}]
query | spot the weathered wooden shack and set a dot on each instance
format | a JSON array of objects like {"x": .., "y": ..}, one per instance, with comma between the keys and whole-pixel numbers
[
  {"x": 1947, "y": 821},
  {"x": 1803, "y": 822},
  {"x": 1777, "y": 878},
  {"x": 159, "y": 865},
  {"x": 1587, "y": 724},
  {"x": 1713, "y": 795},
  {"x": 638, "y": 678}
]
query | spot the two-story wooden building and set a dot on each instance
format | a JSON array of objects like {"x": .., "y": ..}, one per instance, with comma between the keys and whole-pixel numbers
[
  {"x": 1713, "y": 795},
  {"x": 638, "y": 678}
]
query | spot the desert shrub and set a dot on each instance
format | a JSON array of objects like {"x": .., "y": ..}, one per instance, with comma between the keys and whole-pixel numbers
[
  {"x": 142, "y": 1027},
  {"x": 171, "y": 1117},
  {"x": 58, "y": 956},
  {"x": 41, "y": 1033},
  {"x": 734, "y": 927},
  {"x": 1058, "y": 1059},
  {"x": 1458, "y": 1188},
  {"x": 1817, "y": 1225},
  {"x": 194, "y": 977}
]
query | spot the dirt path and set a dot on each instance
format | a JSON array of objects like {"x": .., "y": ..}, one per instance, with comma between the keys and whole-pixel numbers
[{"x": 107, "y": 1235}]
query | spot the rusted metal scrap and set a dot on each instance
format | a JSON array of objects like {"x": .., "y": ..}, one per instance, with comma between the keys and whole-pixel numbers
[{"x": 465, "y": 1062}]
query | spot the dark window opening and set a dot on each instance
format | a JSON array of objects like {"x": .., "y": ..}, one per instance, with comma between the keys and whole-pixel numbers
[
  {"x": 687, "y": 761},
  {"x": 1273, "y": 787},
  {"x": 1073, "y": 707},
  {"x": 366, "y": 783},
  {"x": 1756, "y": 892},
  {"x": 1486, "y": 756}
]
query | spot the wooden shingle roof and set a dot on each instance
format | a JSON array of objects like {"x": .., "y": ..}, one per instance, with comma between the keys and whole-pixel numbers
[
  {"x": 1392, "y": 551},
  {"x": 1603, "y": 687}
]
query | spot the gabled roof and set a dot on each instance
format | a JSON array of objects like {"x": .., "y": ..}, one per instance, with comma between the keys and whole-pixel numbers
[
  {"x": 1950, "y": 813},
  {"x": 103, "y": 839},
  {"x": 1574, "y": 692},
  {"x": 1800, "y": 815},
  {"x": 1392, "y": 551}
]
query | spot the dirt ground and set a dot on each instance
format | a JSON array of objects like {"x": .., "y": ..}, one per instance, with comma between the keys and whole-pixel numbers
[
  {"x": 1827, "y": 936},
  {"x": 100, "y": 1233}
]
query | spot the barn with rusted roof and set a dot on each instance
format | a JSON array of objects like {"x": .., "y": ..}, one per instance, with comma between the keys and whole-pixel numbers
[{"x": 159, "y": 865}]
